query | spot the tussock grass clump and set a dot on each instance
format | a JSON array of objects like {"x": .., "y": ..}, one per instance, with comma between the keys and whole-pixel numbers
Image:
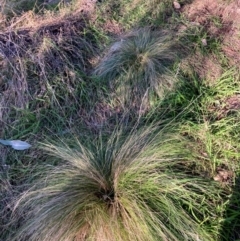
[
  {"x": 130, "y": 188},
  {"x": 139, "y": 64},
  {"x": 6, "y": 195}
]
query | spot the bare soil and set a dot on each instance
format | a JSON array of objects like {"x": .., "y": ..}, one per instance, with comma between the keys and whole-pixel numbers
[{"x": 221, "y": 19}]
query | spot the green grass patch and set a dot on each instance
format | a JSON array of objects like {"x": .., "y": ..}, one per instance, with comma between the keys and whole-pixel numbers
[{"x": 139, "y": 13}]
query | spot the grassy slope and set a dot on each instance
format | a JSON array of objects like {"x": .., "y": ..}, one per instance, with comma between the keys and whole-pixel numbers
[{"x": 48, "y": 90}]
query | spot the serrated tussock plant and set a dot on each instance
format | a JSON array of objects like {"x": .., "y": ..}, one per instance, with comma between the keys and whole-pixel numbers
[
  {"x": 140, "y": 63},
  {"x": 132, "y": 187}
]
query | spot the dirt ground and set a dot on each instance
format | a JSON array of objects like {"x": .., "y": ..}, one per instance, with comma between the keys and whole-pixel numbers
[{"x": 221, "y": 20}]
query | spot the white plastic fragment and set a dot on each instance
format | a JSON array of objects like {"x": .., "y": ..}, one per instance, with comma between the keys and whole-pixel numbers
[{"x": 16, "y": 144}]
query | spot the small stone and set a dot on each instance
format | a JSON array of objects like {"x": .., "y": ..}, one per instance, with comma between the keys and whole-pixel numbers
[
  {"x": 204, "y": 42},
  {"x": 224, "y": 174},
  {"x": 182, "y": 28},
  {"x": 176, "y": 5},
  {"x": 217, "y": 178},
  {"x": 205, "y": 154},
  {"x": 195, "y": 23}
]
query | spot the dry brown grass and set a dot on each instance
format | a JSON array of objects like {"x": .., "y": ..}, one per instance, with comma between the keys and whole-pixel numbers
[{"x": 42, "y": 64}]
